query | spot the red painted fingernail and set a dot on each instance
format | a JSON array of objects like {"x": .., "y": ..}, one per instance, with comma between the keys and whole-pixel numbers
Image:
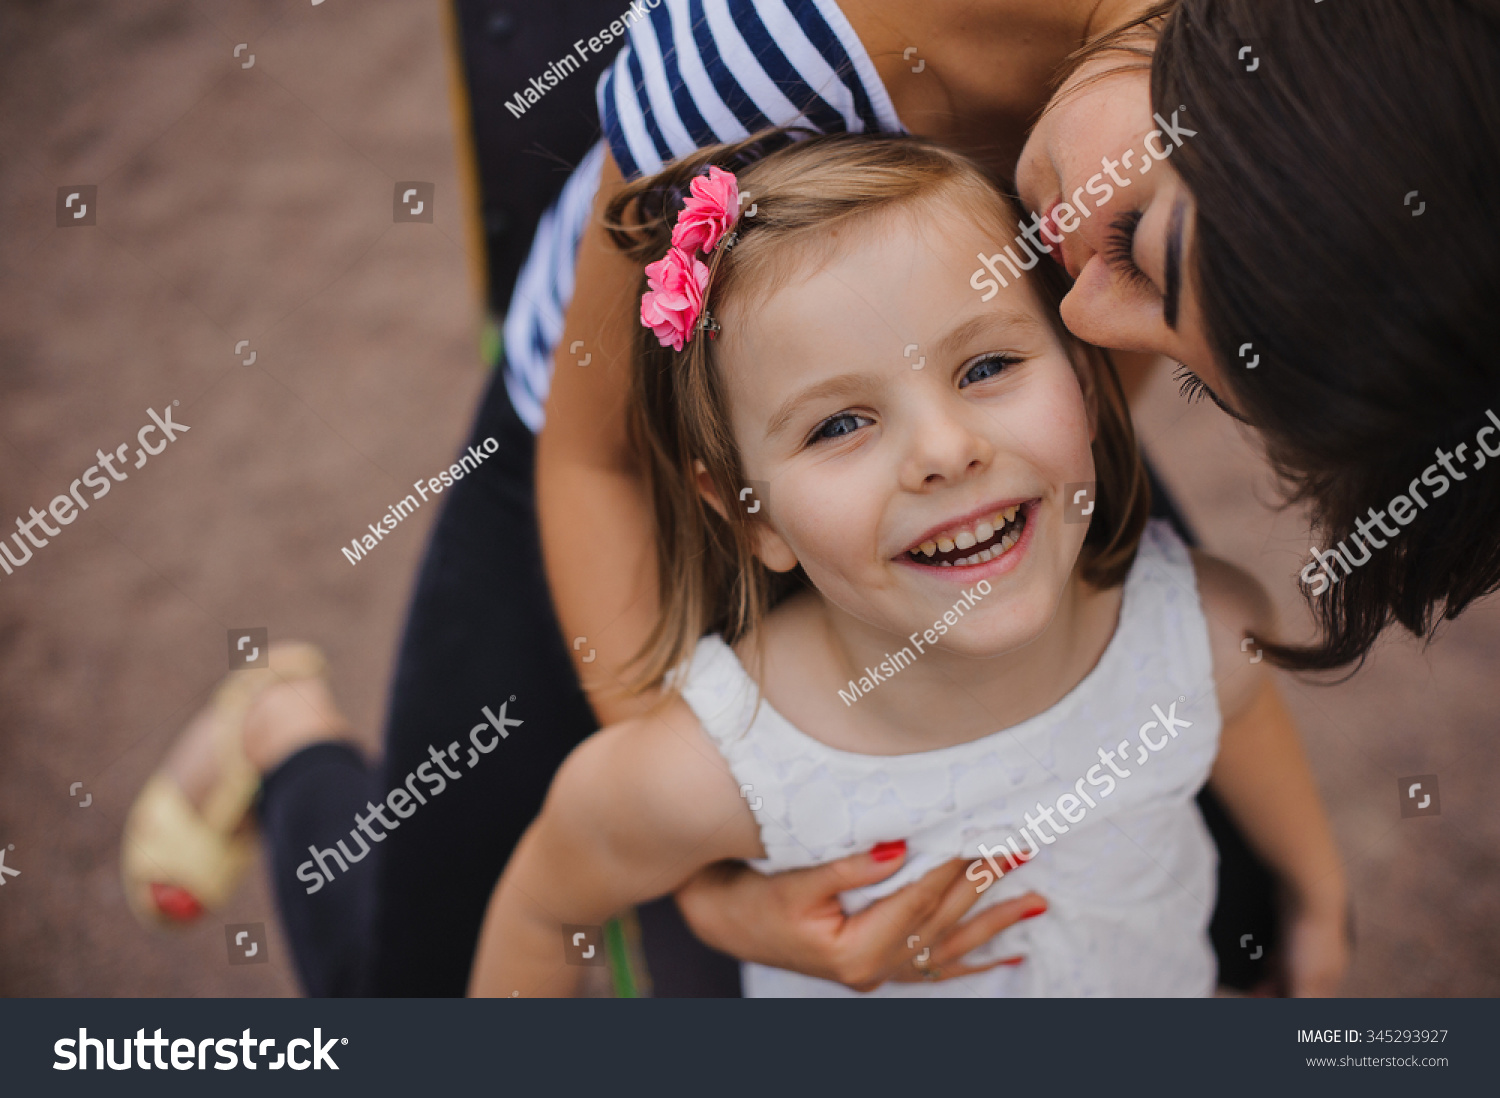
[
  {"x": 884, "y": 852},
  {"x": 1033, "y": 911},
  {"x": 1019, "y": 862},
  {"x": 1013, "y": 961}
]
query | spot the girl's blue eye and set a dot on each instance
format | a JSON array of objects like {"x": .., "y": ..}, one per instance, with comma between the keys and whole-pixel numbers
[
  {"x": 987, "y": 367},
  {"x": 837, "y": 426}
]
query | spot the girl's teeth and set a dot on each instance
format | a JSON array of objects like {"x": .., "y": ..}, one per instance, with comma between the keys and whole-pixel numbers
[{"x": 965, "y": 539}]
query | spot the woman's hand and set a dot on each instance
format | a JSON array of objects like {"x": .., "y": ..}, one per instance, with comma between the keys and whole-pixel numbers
[
  {"x": 1317, "y": 938},
  {"x": 793, "y": 920},
  {"x": 1316, "y": 951}
]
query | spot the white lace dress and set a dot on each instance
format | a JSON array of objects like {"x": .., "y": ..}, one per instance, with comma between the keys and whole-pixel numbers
[{"x": 1130, "y": 884}]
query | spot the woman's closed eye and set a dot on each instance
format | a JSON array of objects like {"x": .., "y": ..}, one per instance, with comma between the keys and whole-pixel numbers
[
  {"x": 1119, "y": 250},
  {"x": 986, "y": 367},
  {"x": 1193, "y": 388},
  {"x": 839, "y": 425}
]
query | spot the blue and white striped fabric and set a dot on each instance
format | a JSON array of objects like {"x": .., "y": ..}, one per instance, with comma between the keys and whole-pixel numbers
[
  {"x": 695, "y": 73},
  {"x": 534, "y": 321}
]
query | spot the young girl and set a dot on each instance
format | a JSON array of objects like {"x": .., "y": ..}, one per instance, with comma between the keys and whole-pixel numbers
[{"x": 978, "y": 648}]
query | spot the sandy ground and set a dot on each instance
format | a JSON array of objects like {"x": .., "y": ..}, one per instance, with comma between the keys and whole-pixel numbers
[{"x": 255, "y": 204}]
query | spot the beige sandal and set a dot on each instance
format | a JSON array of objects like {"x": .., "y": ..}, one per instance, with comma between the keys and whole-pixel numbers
[{"x": 178, "y": 861}]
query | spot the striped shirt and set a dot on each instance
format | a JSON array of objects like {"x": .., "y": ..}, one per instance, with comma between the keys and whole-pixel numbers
[{"x": 694, "y": 73}]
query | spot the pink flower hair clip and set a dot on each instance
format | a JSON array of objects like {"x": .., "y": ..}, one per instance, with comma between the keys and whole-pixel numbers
[{"x": 678, "y": 282}]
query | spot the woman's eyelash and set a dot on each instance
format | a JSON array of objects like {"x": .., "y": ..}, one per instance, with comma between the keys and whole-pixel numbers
[
  {"x": 1193, "y": 388},
  {"x": 1190, "y": 386},
  {"x": 1119, "y": 249}
]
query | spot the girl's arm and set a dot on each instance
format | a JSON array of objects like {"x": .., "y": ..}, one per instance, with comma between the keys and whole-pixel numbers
[
  {"x": 634, "y": 811},
  {"x": 1263, "y": 778},
  {"x": 638, "y": 809}
]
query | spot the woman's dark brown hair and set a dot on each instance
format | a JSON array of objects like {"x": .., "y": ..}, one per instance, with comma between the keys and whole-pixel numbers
[
  {"x": 1348, "y": 226},
  {"x": 803, "y": 191}
]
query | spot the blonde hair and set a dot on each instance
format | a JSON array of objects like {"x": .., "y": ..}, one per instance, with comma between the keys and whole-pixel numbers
[{"x": 709, "y": 576}]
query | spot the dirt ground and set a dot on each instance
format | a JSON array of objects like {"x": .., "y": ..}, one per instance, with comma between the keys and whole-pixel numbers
[{"x": 254, "y": 204}]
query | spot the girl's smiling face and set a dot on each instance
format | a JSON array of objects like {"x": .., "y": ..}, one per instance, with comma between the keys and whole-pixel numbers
[{"x": 884, "y": 461}]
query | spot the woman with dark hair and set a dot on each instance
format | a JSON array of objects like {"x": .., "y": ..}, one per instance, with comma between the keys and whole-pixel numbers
[
  {"x": 1320, "y": 257},
  {"x": 1271, "y": 214}
]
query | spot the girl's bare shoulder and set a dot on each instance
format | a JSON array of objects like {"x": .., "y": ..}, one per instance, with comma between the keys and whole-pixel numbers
[{"x": 659, "y": 779}]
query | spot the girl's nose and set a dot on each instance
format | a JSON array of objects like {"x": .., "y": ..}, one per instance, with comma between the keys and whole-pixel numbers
[{"x": 942, "y": 449}]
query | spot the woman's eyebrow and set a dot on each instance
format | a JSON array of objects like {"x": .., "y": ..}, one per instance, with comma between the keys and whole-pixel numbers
[{"x": 1172, "y": 298}]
